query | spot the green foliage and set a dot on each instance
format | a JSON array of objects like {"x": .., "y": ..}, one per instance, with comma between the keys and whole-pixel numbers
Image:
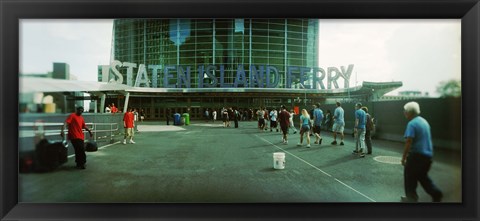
[{"x": 451, "y": 88}]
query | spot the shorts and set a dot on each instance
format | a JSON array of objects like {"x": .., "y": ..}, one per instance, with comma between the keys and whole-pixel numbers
[
  {"x": 261, "y": 122},
  {"x": 305, "y": 128},
  {"x": 316, "y": 129},
  {"x": 129, "y": 132},
  {"x": 338, "y": 127},
  {"x": 273, "y": 123}
]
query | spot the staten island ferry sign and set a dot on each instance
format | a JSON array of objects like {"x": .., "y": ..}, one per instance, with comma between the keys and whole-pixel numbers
[{"x": 211, "y": 76}]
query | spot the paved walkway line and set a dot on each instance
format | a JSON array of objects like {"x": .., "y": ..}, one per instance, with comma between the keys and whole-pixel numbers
[
  {"x": 327, "y": 174},
  {"x": 70, "y": 156}
]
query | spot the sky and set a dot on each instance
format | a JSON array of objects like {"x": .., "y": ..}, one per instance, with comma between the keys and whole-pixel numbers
[{"x": 420, "y": 53}]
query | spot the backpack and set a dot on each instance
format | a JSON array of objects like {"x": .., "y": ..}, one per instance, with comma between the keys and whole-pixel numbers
[{"x": 370, "y": 126}]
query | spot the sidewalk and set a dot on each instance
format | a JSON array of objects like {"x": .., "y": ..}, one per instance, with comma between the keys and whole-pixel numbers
[{"x": 205, "y": 162}]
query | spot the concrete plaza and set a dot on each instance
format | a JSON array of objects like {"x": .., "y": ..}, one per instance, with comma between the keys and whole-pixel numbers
[{"x": 205, "y": 162}]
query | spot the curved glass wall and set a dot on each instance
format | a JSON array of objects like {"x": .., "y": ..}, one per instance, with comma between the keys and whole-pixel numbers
[{"x": 223, "y": 44}]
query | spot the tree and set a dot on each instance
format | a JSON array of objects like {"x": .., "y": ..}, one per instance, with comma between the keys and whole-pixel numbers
[{"x": 451, "y": 88}]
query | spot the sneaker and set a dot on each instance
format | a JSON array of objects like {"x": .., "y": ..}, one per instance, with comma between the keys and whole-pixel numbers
[
  {"x": 308, "y": 145},
  {"x": 81, "y": 167},
  {"x": 341, "y": 143},
  {"x": 294, "y": 132},
  {"x": 132, "y": 141},
  {"x": 355, "y": 151},
  {"x": 320, "y": 141},
  {"x": 286, "y": 142},
  {"x": 361, "y": 155},
  {"x": 299, "y": 144},
  {"x": 124, "y": 142},
  {"x": 315, "y": 142},
  {"x": 334, "y": 142}
]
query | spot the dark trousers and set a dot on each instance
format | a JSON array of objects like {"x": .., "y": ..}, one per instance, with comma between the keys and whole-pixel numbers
[
  {"x": 80, "y": 156},
  {"x": 168, "y": 120},
  {"x": 368, "y": 141},
  {"x": 236, "y": 123},
  {"x": 416, "y": 170}
]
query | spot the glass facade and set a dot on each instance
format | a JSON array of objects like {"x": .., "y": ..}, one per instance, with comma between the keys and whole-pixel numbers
[{"x": 225, "y": 44}]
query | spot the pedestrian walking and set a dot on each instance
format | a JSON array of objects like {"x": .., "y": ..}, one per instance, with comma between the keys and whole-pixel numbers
[
  {"x": 214, "y": 115},
  {"x": 291, "y": 124},
  {"x": 284, "y": 120},
  {"x": 108, "y": 109},
  {"x": 317, "y": 123},
  {"x": 168, "y": 114},
  {"x": 359, "y": 130},
  {"x": 328, "y": 121},
  {"x": 273, "y": 119},
  {"x": 261, "y": 119},
  {"x": 142, "y": 115},
  {"x": 417, "y": 155},
  {"x": 368, "y": 129},
  {"x": 338, "y": 123},
  {"x": 304, "y": 127},
  {"x": 128, "y": 124},
  {"x": 75, "y": 124},
  {"x": 135, "y": 119}
]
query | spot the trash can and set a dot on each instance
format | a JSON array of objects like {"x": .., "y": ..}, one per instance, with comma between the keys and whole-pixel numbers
[
  {"x": 176, "y": 119},
  {"x": 187, "y": 118}
]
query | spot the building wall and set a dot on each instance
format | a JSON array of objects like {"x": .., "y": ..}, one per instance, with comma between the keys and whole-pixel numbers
[
  {"x": 227, "y": 42},
  {"x": 443, "y": 115}
]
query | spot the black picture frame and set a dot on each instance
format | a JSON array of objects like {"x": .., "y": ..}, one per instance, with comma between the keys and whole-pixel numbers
[{"x": 11, "y": 11}]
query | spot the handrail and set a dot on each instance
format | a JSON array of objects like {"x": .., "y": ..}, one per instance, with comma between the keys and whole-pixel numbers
[{"x": 38, "y": 128}]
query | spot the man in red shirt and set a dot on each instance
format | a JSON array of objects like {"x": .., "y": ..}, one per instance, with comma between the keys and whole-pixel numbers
[
  {"x": 76, "y": 124},
  {"x": 128, "y": 124},
  {"x": 284, "y": 119},
  {"x": 114, "y": 109}
]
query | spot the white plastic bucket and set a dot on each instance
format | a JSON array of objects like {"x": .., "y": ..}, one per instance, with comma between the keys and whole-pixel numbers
[{"x": 279, "y": 160}]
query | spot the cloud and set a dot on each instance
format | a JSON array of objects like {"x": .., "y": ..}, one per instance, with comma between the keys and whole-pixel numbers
[
  {"x": 420, "y": 53},
  {"x": 83, "y": 44}
]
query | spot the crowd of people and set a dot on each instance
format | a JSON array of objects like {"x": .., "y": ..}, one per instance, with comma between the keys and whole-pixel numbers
[{"x": 416, "y": 158}]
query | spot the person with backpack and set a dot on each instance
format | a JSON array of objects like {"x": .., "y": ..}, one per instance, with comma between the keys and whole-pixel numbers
[{"x": 369, "y": 128}]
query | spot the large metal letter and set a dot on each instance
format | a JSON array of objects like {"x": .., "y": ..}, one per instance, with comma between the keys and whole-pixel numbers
[
  {"x": 318, "y": 79},
  {"x": 222, "y": 77},
  {"x": 115, "y": 71},
  {"x": 256, "y": 76},
  {"x": 241, "y": 77},
  {"x": 346, "y": 74},
  {"x": 142, "y": 77},
  {"x": 183, "y": 76},
  {"x": 289, "y": 75},
  {"x": 155, "y": 69},
  {"x": 333, "y": 78},
  {"x": 275, "y": 77},
  {"x": 130, "y": 67},
  {"x": 211, "y": 75},
  {"x": 167, "y": 76}
]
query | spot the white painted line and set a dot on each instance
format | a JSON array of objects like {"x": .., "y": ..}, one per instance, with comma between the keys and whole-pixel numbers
[{"x": 317, "y": 169}]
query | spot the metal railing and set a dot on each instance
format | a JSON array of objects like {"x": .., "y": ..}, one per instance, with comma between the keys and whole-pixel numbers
[{"x": 40, "y": 128}]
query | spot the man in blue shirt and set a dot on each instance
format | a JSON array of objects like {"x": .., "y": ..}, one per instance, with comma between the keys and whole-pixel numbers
[
  {"x": 359, "y": 130},
  {"x": 317, "y": 123},
  {"x": 417, "y": 155}
]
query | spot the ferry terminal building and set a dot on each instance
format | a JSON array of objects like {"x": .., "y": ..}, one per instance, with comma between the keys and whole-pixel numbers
[{"x": 188, "y": 65}]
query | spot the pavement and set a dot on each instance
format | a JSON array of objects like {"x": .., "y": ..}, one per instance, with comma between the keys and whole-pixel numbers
[{"x": 206, "y": 163}]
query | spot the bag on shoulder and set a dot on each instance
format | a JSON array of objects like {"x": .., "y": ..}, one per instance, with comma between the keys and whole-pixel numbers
[{"x": 370, "y": 124}]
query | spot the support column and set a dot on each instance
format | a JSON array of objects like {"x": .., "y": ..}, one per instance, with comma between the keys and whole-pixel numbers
[{"x": 125, "y": 107}]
